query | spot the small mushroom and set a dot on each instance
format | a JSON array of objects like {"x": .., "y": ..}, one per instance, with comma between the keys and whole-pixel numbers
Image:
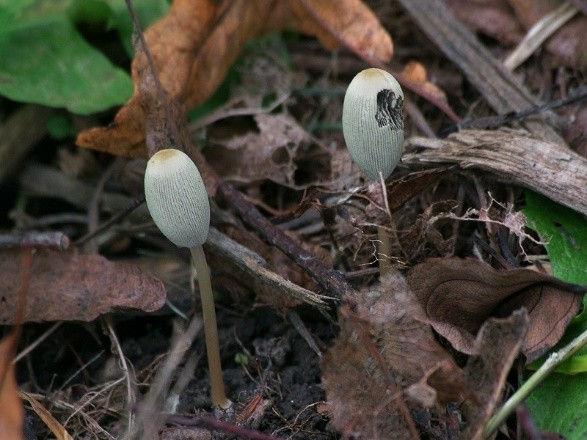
[
  {"x": 177, "y": 200},
  {"x": 372, "y": 122},
  {"x": 373, "y": 129}
]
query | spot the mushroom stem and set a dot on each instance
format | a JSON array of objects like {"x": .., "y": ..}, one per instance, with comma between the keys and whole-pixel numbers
[
  {"x": 383, "y": 250},
  {"x": 210, "y": 329}
]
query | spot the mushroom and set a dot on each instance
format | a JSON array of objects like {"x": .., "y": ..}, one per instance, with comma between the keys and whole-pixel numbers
[
  {"x": 373, "y": 129},
  {"x": 178, "y": 203}
]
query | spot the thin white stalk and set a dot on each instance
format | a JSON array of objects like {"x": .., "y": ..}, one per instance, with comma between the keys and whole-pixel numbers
[
  {"x": 383, "y": 251},
  {"x": 210, "y": 329}
]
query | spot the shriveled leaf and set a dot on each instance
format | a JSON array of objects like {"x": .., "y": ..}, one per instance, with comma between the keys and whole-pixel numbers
[
  {"x": 402, "y": 189},
  {"x": 72, "y": 286},
  {"x": 385, "y": 360},
  {"x": 196, "y": 43},
  {"x": 56, "y": 428},
  {"x": 416, "y": 72},
  {"x": 268, "y": 154},
  {"x": 11, "y": 409},
  {"x": 497, "y": 346},
  {"x": 509, "y": 20},
  {"x": 458, "y": 296}
]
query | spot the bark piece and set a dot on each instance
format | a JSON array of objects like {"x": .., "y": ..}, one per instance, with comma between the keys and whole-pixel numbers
[{"x": 511, "y": 156}]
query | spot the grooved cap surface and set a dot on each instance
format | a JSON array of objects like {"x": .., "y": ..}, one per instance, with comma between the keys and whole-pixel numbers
[
  {"x": 177, "y": 198},
  {"x": 372, "y": 122}
]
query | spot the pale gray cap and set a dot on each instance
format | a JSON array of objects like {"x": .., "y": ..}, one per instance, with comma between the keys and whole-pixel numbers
[
  {"x": 177, "y": 198},
  {"x": 372, "y": 121}
]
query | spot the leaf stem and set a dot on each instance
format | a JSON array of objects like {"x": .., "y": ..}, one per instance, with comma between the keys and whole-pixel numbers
[
  {"x": 383, "y": 250},
  {"x": 210, "y": 329},
  {"x": 553, "y": 361}
]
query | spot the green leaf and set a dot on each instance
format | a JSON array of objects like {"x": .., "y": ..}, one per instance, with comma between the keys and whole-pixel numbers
[
  {"x": 559, "y": 404},
  {"x": 45, "y": 59},
  {"x": 566, "y": 233}
]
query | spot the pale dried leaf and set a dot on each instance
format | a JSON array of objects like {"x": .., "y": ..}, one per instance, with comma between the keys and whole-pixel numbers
[{"x": 72, "y": 286}]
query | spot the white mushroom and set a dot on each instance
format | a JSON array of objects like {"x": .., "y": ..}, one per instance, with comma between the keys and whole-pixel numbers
[
  {"x": 372, "y": 122},
  {"x": 177, "y": 200},
  {"x": 373, "y": 129}
]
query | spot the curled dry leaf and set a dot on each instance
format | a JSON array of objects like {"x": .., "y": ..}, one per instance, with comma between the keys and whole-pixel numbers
[
  {"x": 385, "y": 353},
  {"x": 497, "y": 346},
  {"x": 509, "y": 20},
  {"x": 196, "y": 43},
  {"x": 70, "y": 286},
  {"x": 270, "y": 154},
  {"x": 458, "y": 296},
  {"x": 416, "y": 73}
]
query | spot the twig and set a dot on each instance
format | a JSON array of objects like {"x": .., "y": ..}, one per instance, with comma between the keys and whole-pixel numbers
[
  {"x": 94, "y": 208},
  {"x": 553, "y": 361},
  {"x": 575, "y": 95},
  {"x": 149, "y": 416},
  {"x": 36, "y": 343},
  {"x": 33, "y": 239},
  {"x": 127, "y": 372},
  {"x": 220, "y": 426},
  {"x": 112, "y": 220},
  {"x": 19, "y": 134},
  {"x": 299, "y": 325},
  {"x": 539, "y": 33},
  {"x": 499, "y": 87},
  {"x": 254, "y": 265},
  {"x": 331, "y": 280},
  {"x": 511, "y": 156}
]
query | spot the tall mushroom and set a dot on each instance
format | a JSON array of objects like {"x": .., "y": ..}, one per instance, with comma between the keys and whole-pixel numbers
[
  {"x": 373, "y": 129},
  {"x": 177, "y": 200}
]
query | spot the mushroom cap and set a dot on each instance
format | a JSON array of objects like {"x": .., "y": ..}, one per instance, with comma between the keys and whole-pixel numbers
[
  {"x": 372, "y": 121},
  {"x": 177, "y": 198}
]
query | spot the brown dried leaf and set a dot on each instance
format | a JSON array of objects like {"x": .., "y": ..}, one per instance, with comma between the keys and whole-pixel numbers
[
  {"x": 509, "y": 20},
  {"x": 416, "y": 72},
  {"x": 497, "y": 346},
  {"x": 268, "y": 154},
  {"x": 196, "y": 43},
  {"x": 51, "y": 422},
  {"x": 491, "y": 17},
  {"x": 11, "y": 409},
  {"x": 458, "y": 296},
  {"x": 72, "y": 286},
  {"x": 386, "y": 351}
]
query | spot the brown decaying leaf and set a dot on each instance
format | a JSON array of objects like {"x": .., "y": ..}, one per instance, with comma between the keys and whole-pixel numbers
[
  {"x": 11, "y": 409},
  {"x": 51, "y": 422},
  {"x": 268, "y": 154},
  {"x": 73, "y": 286},
  {"x": 497, "y": 346},
  {"x": 508, "y": 21},
  {"x": 416, "y": 72},
  {"x": 384, "y": 351},
  {"x": 459, "y": 295},
  {"x": 196, "y": 43}
]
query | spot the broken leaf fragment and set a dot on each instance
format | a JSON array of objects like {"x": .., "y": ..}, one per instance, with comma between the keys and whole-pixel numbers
[
  {"x": 195, "y": 44},
  {"x": 70, "y": 286},
  {"x": 386, "y": 360},
  {"x": 458, "y": 296}
]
